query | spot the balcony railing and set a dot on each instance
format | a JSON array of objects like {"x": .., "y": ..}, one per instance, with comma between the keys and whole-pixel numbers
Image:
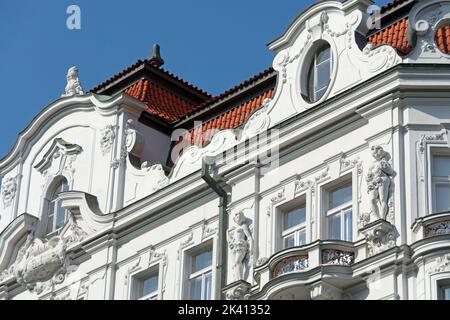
[{"x": 306, "y": 258}]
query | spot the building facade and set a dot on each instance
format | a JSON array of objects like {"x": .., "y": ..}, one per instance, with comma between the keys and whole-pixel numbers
[{"x": 325, "y": 176}]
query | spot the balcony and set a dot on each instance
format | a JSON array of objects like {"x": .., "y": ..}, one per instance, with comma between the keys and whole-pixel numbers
[{"x": 317, "y": 270}]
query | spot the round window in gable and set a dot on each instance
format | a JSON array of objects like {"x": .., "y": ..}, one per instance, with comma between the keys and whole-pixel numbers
[{"x": 319, "y": 73}]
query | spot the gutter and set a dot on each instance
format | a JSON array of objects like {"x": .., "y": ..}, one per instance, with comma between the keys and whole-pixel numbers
[{"x": 221, "y": 261}]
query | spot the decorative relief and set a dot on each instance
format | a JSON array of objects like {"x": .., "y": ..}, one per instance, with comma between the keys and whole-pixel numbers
[
  {"x": 41, "y": 264},
  {"x": 8, "y": 191},
  {"x": 296, "y": 263},
  {"x": 429, "y": 138},
  {"x": 379, "y": 58},
  {"x": 261, "y": 261},
  {"x": 240, "y": 242},
  {"x": 280, "y": 196},
  {"x": 258, "y": 122},
  {"x": 156, "y": 175},
  {"x": 73, "y": 86},
  {"x": 380, "y": 186},
  {"x": 333, "y": 256},
  {"x": 117, "y": 161},
  {"x": 185, "y": 243},
  {"x": 442, "y": 264},
  {"x": 207, "y": 230},
  {"x": 301, "y": 186},
  {"x": 107, "y": 137},
  {"x": 347, "y": 164},
  {"x": 380, "y": 236},
  {"x": 239, "y": 291},
  {"x": 437, "y": 228}
]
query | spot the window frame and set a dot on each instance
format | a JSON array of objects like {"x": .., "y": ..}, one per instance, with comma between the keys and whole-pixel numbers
[
  {"x": 60, "y": 185},
  {"x": 437, "y": 180},
  {"x": 339, "y": 210},
  {"x": 138, "y": 283},
  {"x": 296, "y": 229},
  {"x": 191, "y": 275},
  {"x": 312, "y": 73}
]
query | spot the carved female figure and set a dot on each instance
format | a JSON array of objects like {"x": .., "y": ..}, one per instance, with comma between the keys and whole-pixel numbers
[
  {"x": 240, "y": 242},
  {"x": 380, "y": 183}
]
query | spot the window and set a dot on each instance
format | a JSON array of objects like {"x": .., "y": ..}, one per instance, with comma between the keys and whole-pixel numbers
[
  {"x": 319, "y": 73},
  {"x": 147, "y": 286},
  {"x": 441, "y": 183},
  {"x": 339, "y": 212},
  {"x": 294, "y": 227},
  {"x": 200, "y": 276},
  {"x": 444, "y": 290},
  {"x": 57, "y": 215}
]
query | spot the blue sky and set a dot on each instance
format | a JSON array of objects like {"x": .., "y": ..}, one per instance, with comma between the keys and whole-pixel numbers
[{"x": 213, "y": 44}]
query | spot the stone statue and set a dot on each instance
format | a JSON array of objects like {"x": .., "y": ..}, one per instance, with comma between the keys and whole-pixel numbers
[
  {"x": 240, "y": 242},
  {"x": 73, "y": 86},
  {"x": 380, "y": 183}
]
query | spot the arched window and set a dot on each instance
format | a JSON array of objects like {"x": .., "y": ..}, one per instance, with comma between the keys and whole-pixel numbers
[
  {"x": 57, "y": 215},
  {"x": 319, "y": 73}
]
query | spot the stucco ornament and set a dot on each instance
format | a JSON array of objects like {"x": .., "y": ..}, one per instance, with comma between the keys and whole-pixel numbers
[
  {"x": 107, "y": 136},
  {"x": 73, "y": 86},
  {"x": 41, "y": 264},
  {"x": 9, "y": 188},
  {"x": 240, "y": 242},
  {"x": 380, "y": 183}
]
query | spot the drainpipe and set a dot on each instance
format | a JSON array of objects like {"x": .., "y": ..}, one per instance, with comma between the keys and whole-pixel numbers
[{"x": 223, "y": 225}]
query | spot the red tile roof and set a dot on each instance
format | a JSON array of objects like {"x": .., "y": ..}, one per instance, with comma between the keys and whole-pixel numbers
[
  {"x": 137, "y": 65},
  {"x": 160, "y": 101},
  {"x": 228, "y": 120},
  {"x": 443, "y": 39},
  {"x": 396, "y": 35}
]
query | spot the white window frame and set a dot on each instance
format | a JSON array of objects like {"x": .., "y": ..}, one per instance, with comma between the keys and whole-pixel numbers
[
  {"x": 436, "y": 180},
  {"x": 295, "y": 230},
  {"x": 190, "y": 276},
  {"x": 314, "y": 75},
  {"x": 338, "y": 210},
  {"x": 138, "y": 279},
  {"x": 441, "y": 285},
  {"x": 52, "y": 206}
]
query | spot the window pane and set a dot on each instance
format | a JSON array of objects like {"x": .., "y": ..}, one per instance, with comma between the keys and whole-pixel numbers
[
  {"x": 150, "y": 285},
  {"x": 295, "y": 217},
  {"x": 441, "y": 166},
  {"x": 348, "y": 225},
  {"x": 302, "y": 237},
  {"x": 60, "y": 215},
  {"x": 442, "y": 197},
  {"x": 202, "y": 261},
  {"x": 323, "y": 76},
  {"x": 196, "y": 288},
  {"x": 446, "y": 293},
  {"x": 289, "y": 241},
  {"x": 208, "y": 285},
  {"x": 323, "y": 55},
  {"x": 340, "y": 196},
  {"x": 334, "y": 226}
]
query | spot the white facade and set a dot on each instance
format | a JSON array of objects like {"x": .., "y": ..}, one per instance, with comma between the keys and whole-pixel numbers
[{"x": 141, "y": 233}]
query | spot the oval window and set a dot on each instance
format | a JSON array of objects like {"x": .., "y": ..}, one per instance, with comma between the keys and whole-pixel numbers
[{"x": 319, "y": 73}]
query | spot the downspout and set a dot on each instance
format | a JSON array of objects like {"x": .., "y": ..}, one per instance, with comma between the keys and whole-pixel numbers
[{"x": 223, "y": 226}]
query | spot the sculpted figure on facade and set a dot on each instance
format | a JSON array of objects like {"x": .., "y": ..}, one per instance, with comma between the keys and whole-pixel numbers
[
  {"x": 240, "y": 242},
  {"x": 73, "y": 86},
  {"x": 380, "y": 184},
  {"x": 8, "y": 191}
]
